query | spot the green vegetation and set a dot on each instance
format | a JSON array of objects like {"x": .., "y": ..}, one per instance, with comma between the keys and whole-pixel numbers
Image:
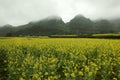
[
  {"x": 59, "y": 59},
  {"x": 106, "y": 34},
  {"x": 110, "y": 36}
]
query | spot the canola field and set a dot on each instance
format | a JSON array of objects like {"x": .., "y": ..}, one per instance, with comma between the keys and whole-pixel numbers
[{"x": 59, "y": 59}]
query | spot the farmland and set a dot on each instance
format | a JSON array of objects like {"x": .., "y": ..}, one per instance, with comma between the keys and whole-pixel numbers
[{"x": 59, "y": 59}]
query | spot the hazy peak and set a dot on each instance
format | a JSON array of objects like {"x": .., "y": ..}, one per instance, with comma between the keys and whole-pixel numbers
[
  {"x": 54, "y": 17},
  {"x": 79, "y": 16}
]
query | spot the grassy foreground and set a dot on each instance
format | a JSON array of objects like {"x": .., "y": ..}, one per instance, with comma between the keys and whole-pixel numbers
[{"x": 59, "y": 59}]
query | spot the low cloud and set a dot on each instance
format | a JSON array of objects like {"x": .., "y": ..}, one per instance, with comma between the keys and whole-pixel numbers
[{"x": 17, "y": 12}]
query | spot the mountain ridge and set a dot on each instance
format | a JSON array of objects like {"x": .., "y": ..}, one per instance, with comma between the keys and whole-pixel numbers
[{"x": 53, "y": 25}]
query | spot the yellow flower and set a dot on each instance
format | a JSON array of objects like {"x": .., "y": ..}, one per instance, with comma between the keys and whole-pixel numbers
[
  {"x": 66, "y": 74},
  {"x": 35, "y": 75},
  {"x": 52, "y": 72},
  {"x": 86, "y": 69},
  {"x": 46, "y": 73},
  {"x": 80, "y": 73},
  {"x": 93, "y": 64},
  {"x": 41, "y": 66},
  {"x": 90, "y": 73},
  {"x": 104, "y": 63},
  {"x": 73, "y": 75},
  {"x": 96, "y": 68},
  {"x": 49, "y": 78},
  {"x": 113, "y": 72},
  {"x": 21, "y": 78},
  {"x": 114, "y": 79}
]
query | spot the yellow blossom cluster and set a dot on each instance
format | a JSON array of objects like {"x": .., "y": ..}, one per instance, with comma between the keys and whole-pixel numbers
[{"x": 59, "y": 59}]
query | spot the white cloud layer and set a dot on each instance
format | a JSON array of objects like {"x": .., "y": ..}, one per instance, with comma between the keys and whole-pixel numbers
[{"x": 17, "y": 12}]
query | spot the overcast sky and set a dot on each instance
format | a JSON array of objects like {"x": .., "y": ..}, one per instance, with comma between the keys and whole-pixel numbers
[{"x": 17, "y": 12}]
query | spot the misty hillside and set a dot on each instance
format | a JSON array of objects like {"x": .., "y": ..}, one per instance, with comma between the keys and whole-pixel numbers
[
  {"x": 56, "y": 26},
  {"x": 6, "y": 29}
]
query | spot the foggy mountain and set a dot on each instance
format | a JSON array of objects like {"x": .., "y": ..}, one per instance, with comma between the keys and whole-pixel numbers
[{"x": 54, "y": 25}]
